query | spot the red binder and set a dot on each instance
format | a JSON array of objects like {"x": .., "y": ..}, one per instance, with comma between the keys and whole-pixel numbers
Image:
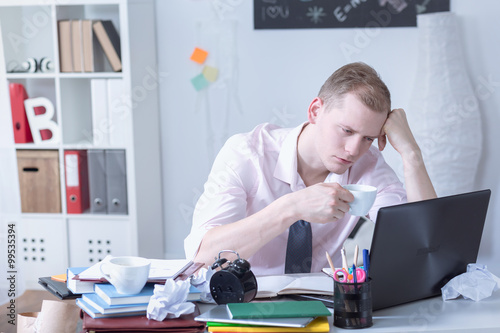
[
  {"x": 22, "y": 133},
  {"x": 77, "y": 181}
]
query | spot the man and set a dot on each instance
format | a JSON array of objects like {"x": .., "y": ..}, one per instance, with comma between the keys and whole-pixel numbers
[{"x": 263, "y": 181}]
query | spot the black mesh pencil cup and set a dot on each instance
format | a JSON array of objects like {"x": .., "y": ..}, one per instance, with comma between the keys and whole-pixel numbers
[{"x": 352, "y": 304}]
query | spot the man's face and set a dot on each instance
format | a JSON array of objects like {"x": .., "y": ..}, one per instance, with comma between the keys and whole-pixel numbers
[{"x": 345, "y": 132}]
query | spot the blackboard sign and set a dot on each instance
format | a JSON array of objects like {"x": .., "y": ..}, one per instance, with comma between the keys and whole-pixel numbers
[{"x": 297, "y": 14}]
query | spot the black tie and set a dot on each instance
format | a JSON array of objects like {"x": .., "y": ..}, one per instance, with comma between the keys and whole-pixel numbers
[{"x": 299, "y": 248}]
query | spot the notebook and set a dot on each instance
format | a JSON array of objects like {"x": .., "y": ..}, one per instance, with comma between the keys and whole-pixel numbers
[
  {"x": 221, "y": 314},
  {"x": 277, "y": 309},
  {"x": 418, "y": 247}
]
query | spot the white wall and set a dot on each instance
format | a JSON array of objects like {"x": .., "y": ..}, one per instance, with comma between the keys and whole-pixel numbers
[{"x": 272, "y": 75}]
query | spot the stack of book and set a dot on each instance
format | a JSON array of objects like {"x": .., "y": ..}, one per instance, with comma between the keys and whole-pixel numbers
[
  {"x": 99, "y": 299},
  {"x": 106, "y": 302},
  {"x": 271, "y": 316}
]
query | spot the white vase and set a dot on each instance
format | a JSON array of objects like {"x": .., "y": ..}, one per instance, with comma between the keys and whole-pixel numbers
[{"x": 444, "y": 113}]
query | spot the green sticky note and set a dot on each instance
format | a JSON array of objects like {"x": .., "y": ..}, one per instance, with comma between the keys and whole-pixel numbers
[
  {"x": 199, "y": 82},
  {"x": 210, "y": 73},
  {"x": 278, "y": 309}
]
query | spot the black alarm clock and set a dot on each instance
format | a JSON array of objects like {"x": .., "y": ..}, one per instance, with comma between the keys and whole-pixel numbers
[{"x": 233, "y": 282}]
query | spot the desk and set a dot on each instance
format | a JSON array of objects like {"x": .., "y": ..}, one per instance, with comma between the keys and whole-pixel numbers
[
  {"x": 435, "y": 315},
  {"x": 430, "y": 315}
]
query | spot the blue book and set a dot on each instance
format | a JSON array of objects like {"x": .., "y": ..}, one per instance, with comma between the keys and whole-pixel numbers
[
  {"x": 75, "y": 285},
  {"x": 194, "y": 294},
  {"x": 109, "y": 294},
  {"x": 96, "y": 314},
  {"x": 102, "y": 307}
]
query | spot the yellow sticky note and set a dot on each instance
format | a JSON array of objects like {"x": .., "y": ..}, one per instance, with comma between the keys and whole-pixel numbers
[
  {"x": 210, "y": 73},
  {"x": 59, "y": 277},
  {"x": 199, "y": 55}
]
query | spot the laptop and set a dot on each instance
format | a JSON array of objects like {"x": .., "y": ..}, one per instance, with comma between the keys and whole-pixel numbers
[{"x": 418, "y": 247}]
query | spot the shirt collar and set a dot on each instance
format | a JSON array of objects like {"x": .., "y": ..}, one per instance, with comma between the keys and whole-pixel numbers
[{"x": 286, "y": 166}]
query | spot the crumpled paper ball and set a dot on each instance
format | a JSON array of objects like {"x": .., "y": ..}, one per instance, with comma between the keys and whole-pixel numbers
[
  {"x": 476, "y": 284},
  {"x": 202, "y": 282},
  {"x": 170, "y": 300}
]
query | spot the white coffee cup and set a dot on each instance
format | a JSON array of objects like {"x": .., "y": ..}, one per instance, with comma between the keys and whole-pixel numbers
[
  {"x": 127, "y": 274},
  {"x": 364, "y": 197}
]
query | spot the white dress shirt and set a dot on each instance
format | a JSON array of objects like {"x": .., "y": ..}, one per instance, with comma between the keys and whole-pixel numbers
[{"x": 254, "y": 169}]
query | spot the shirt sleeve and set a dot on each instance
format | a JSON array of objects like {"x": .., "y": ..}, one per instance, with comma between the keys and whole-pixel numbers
[{"x": 224, "y": 199}]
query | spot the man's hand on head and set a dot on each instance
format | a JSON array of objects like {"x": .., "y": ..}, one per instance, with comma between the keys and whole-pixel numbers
[{"x": 397, "y": 130}]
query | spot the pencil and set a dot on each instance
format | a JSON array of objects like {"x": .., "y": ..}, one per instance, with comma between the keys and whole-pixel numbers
[
  {"x": 356, "y": 251},
  {"x": 344, "y": 260},
  {"x": 330, "y": 262}
]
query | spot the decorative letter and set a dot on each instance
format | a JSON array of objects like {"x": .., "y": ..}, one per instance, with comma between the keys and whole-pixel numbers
[{"x": 42, "y": 121}]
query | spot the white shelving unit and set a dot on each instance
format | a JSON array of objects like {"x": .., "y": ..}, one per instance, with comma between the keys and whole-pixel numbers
[{"x": 48, "y": 243}]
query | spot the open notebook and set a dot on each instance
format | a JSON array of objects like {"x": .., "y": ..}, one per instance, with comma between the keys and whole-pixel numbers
[{"x": 274, "y": 285}]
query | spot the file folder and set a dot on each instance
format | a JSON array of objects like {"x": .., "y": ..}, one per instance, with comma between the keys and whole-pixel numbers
[
  {"x": 118, "y": 114},
  {"x": 76, "y": 45},
  {"x": 101, "y": 126},
  {"x": 110, "y": 42},
  {"x": 65, "y": 46},
  {"x": 116, "y": 180},
  {"x": 77, "y": 181},
  {"x": 97, "y": 181},
  {"x": 22, "y": 132}
]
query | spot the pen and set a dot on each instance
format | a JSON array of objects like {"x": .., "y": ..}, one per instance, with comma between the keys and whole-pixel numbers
[
  {"x": 366, "y": 262},
  {"x": 354, "y": 277},
  {"x": 330, "y": 262},
  {"x": 344, "y": 260}
]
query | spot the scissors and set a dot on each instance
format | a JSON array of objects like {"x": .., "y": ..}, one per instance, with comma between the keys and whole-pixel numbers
[{"x": 342, "y": 275}]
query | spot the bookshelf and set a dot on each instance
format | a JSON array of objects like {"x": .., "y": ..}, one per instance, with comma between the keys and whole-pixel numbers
[{"x": 48, "y": 243}]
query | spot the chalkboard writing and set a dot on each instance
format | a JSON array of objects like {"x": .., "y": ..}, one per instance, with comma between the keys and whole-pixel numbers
[{"x": 297, "y": 14}]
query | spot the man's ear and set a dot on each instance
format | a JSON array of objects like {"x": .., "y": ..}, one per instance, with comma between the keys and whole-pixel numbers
[
  {"x": 313, "y": 111},
  {"x": 382, "y": 141}
]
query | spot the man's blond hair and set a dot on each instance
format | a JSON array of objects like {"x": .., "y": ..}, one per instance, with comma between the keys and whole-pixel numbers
[{"x": 360, "y": 79}]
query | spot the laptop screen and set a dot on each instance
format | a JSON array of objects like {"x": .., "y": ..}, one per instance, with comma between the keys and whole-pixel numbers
[{"x": 418, "y": 247}]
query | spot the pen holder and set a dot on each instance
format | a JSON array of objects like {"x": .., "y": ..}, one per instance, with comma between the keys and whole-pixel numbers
[{"x": 352, "y": 304}]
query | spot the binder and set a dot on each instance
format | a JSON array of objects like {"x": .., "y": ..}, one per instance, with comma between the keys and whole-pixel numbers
[
  {"x": 116, "y": 181},
  {"x": 76, "y": 45},
  {"x": 101, "y": 126},
  {"x": 65, "y": 57},
  {"x": 77, "y": 181},
  {"x": 110, "y": 42},
  {"x": 97, "y": 181},
  {"x": 22, "y": 132},
  {"x": 118, "y": 114},
  {"x": 39, "y": 181}
]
